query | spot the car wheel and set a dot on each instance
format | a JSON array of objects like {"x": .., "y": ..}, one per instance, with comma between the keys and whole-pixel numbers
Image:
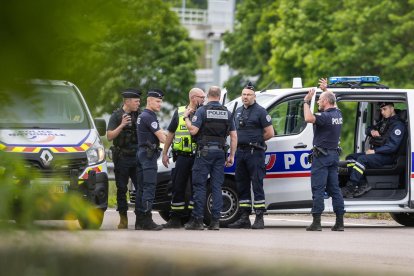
[
  {"x": 406, "y": 219},
  {"x": 230, "y": 210}
]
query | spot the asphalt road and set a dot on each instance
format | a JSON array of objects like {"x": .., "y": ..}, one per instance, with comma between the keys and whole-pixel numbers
[{"x": 371, "y": 246}]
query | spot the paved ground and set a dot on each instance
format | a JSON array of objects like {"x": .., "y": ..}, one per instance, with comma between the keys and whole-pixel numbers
[{"x": 371, "y": 246}]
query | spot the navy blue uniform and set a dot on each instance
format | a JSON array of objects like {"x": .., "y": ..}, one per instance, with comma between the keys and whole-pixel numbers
[
  {"x": 213, "y": 121},
  {"x": 324, "y": 171},
  {"x": 385, "y": 151},
  {"x": 124, "y": 156},
  {"x": 148, "y": 153},
  {"x": 250, "y": 160},
  {"x": 180, "y": 174}
]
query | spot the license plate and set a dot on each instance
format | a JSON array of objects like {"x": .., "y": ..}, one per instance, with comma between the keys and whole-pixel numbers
[{"x": 52, "y": 186}]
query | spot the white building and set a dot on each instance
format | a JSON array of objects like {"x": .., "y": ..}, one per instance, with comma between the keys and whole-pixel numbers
[{"x": 207, "y": 27}]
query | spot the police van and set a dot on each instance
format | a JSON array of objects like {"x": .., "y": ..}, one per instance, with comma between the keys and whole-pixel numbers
[
  {"x": 49, "y": 126},
  {"x": 287, "y": 183}
]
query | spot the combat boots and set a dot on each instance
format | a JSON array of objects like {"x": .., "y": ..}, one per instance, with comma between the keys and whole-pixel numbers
[
  {"x": 173, "y": 223},
  {"x": 316, "y": 224},
  {"x": 123, "y": 220},
  {"x": 214, "y": 224},
  {"x": 339, "y": 223},
  {"x": 139, "y": 221},
  {"x": 258, "y": 221},
  {"x": 149, "y": 224},
  {"x": 243, "y": 222},
  {"x": 195, "y": 224},
  {"x": 349, "y": 190}
]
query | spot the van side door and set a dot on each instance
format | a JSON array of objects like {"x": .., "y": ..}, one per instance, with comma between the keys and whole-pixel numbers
[{"x": 287, "y": 183}]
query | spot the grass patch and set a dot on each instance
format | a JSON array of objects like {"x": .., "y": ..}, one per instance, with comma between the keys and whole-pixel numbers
[{"x": 384, "y": 216}]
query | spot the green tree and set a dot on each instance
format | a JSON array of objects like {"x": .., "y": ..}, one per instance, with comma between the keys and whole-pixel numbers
[
  {"x": 102, "y": 46},
  {"x": 248, "y": 47}
]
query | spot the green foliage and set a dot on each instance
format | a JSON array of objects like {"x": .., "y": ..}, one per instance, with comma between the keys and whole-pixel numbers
[
  {"x": 24, "y": 198},
  {"x": 276, "y": 40},
  {"x": 102, "y": 46}
]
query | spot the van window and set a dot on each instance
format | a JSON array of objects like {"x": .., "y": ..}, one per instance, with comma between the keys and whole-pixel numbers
[
  {"x": 44, "y": 106},
  {"x": 287, "y": 117}
]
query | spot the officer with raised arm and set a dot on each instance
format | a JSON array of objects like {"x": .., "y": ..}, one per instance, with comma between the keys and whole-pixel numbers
[
  {"x": 122, "y": 130},
  {"x": 211, "y": 123},
  {"x": 150, "y": 135},
  {"x": 254, "y": 127},
  {"x": 324, "y": 171}
]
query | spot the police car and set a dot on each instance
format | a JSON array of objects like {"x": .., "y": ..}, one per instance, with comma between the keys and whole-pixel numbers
[
  {"x": 54, "y": 133},
  {"x": 287, "y": 183}
]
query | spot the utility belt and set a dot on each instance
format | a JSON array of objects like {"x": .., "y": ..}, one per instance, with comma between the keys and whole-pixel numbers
[
  {"x": 319, "y": 151},
  {"x": 252, "y": 146},
  {"x": 175, "y": 154},
  {"x": 151, "y": 149},
  {"x": 203, "y": 150}
]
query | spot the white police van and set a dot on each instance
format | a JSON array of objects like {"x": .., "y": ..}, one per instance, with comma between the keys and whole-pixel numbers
[
  {"x": 48, "y": 125},
  {"x": 287, "y": 184}
]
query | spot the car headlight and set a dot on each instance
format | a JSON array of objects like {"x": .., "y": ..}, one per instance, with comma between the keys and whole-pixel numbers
[{"x": 96, "y": 153}]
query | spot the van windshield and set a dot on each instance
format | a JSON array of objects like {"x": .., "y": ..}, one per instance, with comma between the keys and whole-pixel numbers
[{"x": 45, "y": 107}]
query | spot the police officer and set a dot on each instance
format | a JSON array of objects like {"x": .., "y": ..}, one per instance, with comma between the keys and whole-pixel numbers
[
  {"x": 150, "y": 135},
  {"x": 122, "y": 130},
  {"x": 324, "y": 172},
  {"x": 385, "y": 140},
  {"x": 211, "y": 123},
  {"x": 254, "y": 127},
  {"x": 184, "y": 147}
]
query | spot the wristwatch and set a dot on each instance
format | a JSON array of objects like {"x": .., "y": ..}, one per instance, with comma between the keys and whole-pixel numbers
[{"x": 308, "y": 102}]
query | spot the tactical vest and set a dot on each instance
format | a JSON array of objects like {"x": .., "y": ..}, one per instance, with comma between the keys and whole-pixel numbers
[
  {"x": 215, "y": 127},
  {"x": 382, "y": 129},
  {"x": 127, "y": 138},
  {"x": 183, "y": 140}
]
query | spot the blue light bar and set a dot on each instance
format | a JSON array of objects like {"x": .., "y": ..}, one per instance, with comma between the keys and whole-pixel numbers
[{"x": 354, "y": 79}]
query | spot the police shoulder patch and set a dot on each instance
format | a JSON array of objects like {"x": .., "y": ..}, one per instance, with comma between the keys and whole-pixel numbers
[
  {"x": 194, "y": 119},
  {"x": 154, "y": 125},
  {"x": 268, "y": 118},
  {"x": 397, "y": 132}
]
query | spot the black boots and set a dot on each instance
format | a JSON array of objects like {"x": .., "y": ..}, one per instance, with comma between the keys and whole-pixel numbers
[
  {"x": 139, "y": 221},
  {"x": 316, "y": 224},
  {"x": 214, "y": 225},
  {"x": 362, "y": 189},
  {"x": 339, "y": 223},
  {"x": 349, "y": 190},
  {"x": 173, "y": 223},
  {"x": 258, "y": 221},
  {"x": 243, "y": 222},
  {"x": 195, "y": 224},
  {"x": 144, "y": 222},
  {"x": 123, "y": 220}
]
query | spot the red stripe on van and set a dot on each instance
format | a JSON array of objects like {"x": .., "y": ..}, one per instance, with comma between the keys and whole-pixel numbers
[{"x": 288, "y": 175}]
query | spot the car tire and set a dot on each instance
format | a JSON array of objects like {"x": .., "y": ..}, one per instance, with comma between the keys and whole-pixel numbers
[
  {"x": 406, "y": 219},
  {"x": 230, "y": 210}
]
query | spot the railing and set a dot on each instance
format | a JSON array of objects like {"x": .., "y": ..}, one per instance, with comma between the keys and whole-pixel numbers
[{"x": 192, "y": 16}]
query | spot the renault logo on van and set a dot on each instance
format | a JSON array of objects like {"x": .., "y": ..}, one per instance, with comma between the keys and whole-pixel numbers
[{"x": 46, "y": 157}]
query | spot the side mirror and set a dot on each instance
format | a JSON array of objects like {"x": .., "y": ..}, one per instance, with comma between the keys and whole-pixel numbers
[{"x": 100, "y": 126}]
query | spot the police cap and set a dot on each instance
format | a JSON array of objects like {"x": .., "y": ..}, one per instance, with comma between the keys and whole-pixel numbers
[
  {"x": 382, "y": 104},
  {"x": 131, "y": 93},
  {"x": 156, "y": 93},
  {"x": 249, "y": 85}
]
